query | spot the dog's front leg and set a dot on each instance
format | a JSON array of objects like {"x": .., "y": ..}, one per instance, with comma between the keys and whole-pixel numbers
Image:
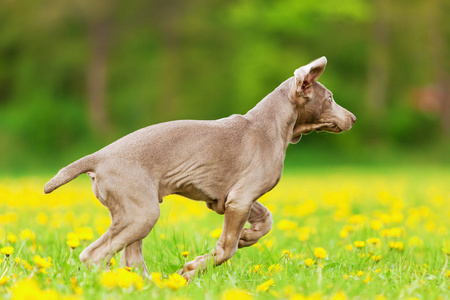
[{"x": 236, "y": 214}]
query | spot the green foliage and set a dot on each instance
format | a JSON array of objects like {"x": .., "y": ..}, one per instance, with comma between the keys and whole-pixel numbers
[{"x": 206, "y": 60}]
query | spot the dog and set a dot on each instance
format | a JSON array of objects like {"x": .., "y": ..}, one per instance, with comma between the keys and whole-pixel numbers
[{"x": 228, "y": 163}]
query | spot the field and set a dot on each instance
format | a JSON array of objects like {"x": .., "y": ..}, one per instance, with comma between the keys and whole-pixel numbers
[{"x": 355, "y": 233}]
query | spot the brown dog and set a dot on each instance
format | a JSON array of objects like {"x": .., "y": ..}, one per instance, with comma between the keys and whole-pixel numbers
[{"x": 228, "y": 163}]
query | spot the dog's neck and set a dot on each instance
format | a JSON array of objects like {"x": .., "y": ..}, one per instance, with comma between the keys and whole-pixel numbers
[{"x": 277, "y": 113}]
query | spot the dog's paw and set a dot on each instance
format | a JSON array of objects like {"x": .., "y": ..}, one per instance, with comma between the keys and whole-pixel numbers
[{"x": 248, "y": 237}]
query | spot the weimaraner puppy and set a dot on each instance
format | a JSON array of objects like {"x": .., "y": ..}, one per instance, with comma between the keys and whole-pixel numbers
[{"x": 228, "y": 163}]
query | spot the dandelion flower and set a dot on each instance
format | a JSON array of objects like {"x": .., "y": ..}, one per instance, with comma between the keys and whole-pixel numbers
[
  {"x": 108, "y": 279},
  {"x": 185, "y": 253},
  {"x": 163, "y": 236},
  {"x": 263, "y": 287},
  {"x": 349, "y": 247},
  {"x": 359, "y": 273},
  {"x": 7, "y": 250},
  {"x": 376, "y": 224},
  {"x": 415, "y": 241},
  {"x": 359, "y": 244},
  {"x": 42, "y": 262},
  {"x": 112, "y": 262},
  {"x": 175, "y": 281},
  {"x": 376, "y": 258},
  {"x": 374, "y": 241},
  {"x": 156, "y": 278},
  {"x": 216, "y": 233},
  {"x": 236, "y": 294},
  {"x": 287, "y": 254},
  {"x": 27, "y": 234},
  {"x": 12, "y": 238},
  {"x": 447, "y": 274},
  {"x": 368, "y": 279},
  {"x": 273, "y": 269},
  {"x": 85, "y": 233},
  {"x": 4, "y": 280},
  {"x": 343, "y": 233},
  {"x": 42, "y": 218},
  {"x": 339, "y": 296},
  {"x": 287, "y": 225},
  {"x": 256, "y": 269},
  {"x": 309, "y": 262},
  {"x": 73, "y": 243},
  {"x": 319, "y": 252}
]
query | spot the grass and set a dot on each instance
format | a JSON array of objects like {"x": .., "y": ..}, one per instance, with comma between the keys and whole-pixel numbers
[{"x": 401, "y": 215}]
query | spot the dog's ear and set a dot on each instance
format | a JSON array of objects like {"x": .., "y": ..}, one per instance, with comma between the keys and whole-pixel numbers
[{"x": 307, "y": 75}]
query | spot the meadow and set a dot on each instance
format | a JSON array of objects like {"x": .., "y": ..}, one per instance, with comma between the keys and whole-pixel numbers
[{"x": 338, "y": 233}]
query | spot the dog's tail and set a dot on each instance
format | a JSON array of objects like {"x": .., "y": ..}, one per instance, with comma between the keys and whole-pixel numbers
[{"x": 71, "y": 172}]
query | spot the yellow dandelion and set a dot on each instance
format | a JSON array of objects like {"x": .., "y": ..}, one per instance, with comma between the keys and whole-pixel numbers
[
  {"x": 339, "y": 296},
  {"x": 368, "y": 279},
  {"x": 287, "y": 254},
  {"x": 345, "y": 276},
  {"x": 263, "y": 287},
  {"x": 359, "y": 273},
  {"x": 376, "y": 258},
  {"x": 185, "y": 253},
  {"x": 7, "y": 250},
  {"x": 359, "y": 244},
  {"x": 12, "y": 238},
  {"x": 175, "y": 281},
  {"x": 73, "y": 243},
  {"x": 112, "y": 262},
  {"x": 4, "y": 280},
  {"x": 349, "y": 247},
  {"x": 236, "y": 294},
  {"x": 256, "y": 269},
  {"x": 84, "y": 233},
  {"x": 309, "y": 262},
  {"x": 27, "y": 234},
  {"x": 396, "y": 245},
  {"x": 42, "y": 218},
  {"x": 287, "y": 225},
  {"x": 108, "y": 279},
  {"x": 273, "y": 269},
  {"x": 42, "y": 262},
  {"x": 378, "y": 271},
  {"x": 304, "y": 236},
  {"x": 156, "y": 278},
  {"x": 415, "y": 241},
  {"x": 319, "y": 252},
  {"x": 343, "y": 233},
  {"x": 216, "y": 233},
  {"x": 374, "y": 241},
  {"x": 163, "y": 236}
]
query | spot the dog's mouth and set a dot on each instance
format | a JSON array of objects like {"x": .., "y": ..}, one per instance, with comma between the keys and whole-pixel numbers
[{"x": 330, "y": 127}]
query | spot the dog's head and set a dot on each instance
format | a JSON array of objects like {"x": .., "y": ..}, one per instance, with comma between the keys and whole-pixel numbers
[{"x": 315, "y": 105}]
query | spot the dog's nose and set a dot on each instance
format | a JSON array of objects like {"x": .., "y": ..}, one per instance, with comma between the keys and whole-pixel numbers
[{"x": 353, "y": 118}]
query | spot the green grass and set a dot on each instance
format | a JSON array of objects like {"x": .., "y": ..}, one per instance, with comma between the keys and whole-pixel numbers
[{"x": 323, "y": 203}]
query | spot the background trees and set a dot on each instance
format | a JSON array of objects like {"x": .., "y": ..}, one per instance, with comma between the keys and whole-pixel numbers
[{"x": 75, "y": 75}]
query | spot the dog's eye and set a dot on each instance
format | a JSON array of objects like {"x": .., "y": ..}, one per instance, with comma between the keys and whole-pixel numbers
[{"x": 330, "y": 99}]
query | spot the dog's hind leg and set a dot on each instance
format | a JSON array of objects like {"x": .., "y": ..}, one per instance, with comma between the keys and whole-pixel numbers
[
  {"x": 134, "y": 211},
  {"x": 260, "y": 220},
  {"x": 132, "y": 256}
]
